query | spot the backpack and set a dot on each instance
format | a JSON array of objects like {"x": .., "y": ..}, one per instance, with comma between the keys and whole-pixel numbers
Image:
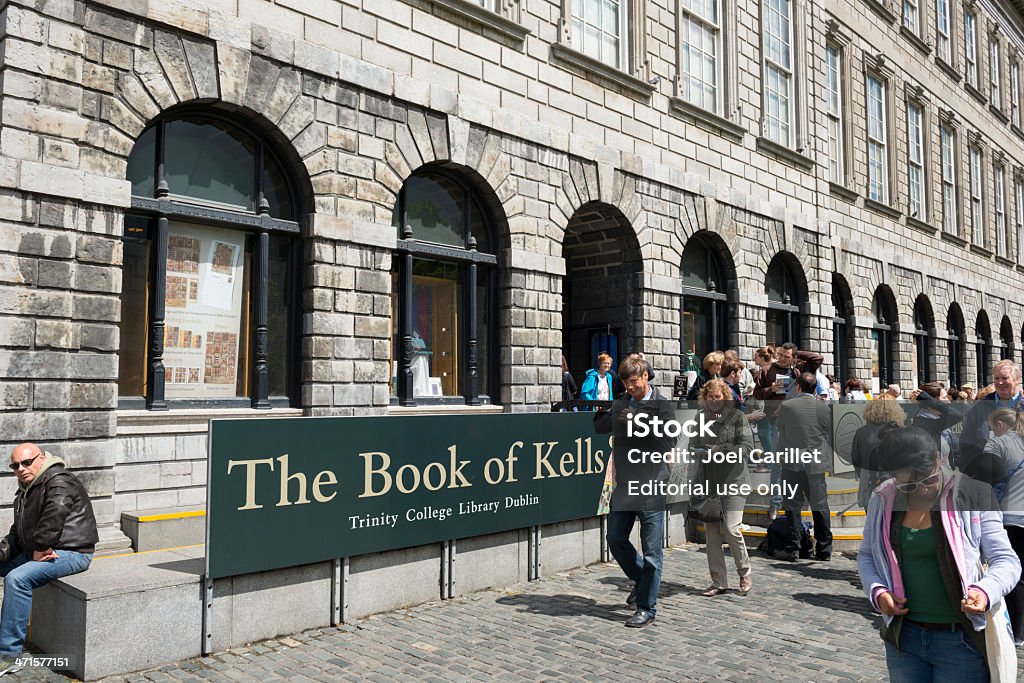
[{"x": 778, "y": 532}]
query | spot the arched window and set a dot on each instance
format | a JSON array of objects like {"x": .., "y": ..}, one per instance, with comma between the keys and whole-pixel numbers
[
  {"x": 211, "y": 277},
  {"x": 443, "y": 303},
  {"x": 955, "y": 331},
  {"x": 983, "y": 349},
  {"x": 704, "y": 300},
  {"x": 784, "y": 290},
  {"x": 1005, "y": 339},
  {"x": 883, "y": 340},
  {"x": 841, "y": 327},
  {"x": 924, "y": 332}
]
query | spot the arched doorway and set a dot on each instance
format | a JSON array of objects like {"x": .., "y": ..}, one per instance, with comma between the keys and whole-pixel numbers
[
  {"x": 786, "y": 290},
  {"x": 600, "y": 298},
  {"x": 707, "y": 278},
  {"x": 884, "y": 329},
  {"x": 983, "y": 349},
  {"x": 1005, "y": 339},
  {"x": 955, "y": 332},
  {"x": 842, "y": 302},
  {"x": 924, "y": 337}
]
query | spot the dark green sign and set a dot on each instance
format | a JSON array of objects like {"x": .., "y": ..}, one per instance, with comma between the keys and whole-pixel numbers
[{"x": 287, "y": 492}]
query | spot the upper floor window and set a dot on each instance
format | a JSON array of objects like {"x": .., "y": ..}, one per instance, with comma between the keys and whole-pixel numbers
[
  {"x": 777, "y": 42},
  {"x": 878, "y": 141},
  {"x": 999, "y": 194},
  {"x": 912, "y": 16},
  {"x": 701, "y": 67},
  {"x": 1015, "y": 93},
  {"x": 211, "y": 291},
  {"x": 599, "y": 30},
  {"x": 971, "y": 47},
  {"x": 977, "y": 197},
  {"x": 995, "y": 73},
  {"x": 444, "y": 289},
  {"x": 943, "y": 30},
  {"x": 950, "y": 218},
  {"x": 834, "y": 95},
  {"x": 1018, "y": 216},
  {"x": 915, "y": 161}
]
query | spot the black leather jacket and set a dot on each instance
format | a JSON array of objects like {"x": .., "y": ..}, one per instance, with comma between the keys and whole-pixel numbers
[{"x": 54, "y": 512}]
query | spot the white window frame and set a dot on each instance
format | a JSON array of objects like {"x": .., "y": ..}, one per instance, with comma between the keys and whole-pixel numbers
[
  {"x": 779, "y": 78},
  {"x": 912, "y": 16},
  {"x": 580, "y": 20},
  {"x": 834, "y": 56},
  {"x": 691, "y": 15},
  {"x": 950, "y": 214},
  {"x": 877, "y": 139},
  {"x": 995, "y": 72},
  {"x": 1015, "y": 93},
  {"x": 971, "y": 47},
  {"x": 944, "y": 30},
  {"x": 1018, "y": 216},
  {"x": 916, "y": 177},
  {"x": 977, "y": 197},
  {"x": 999, "y": 189}
]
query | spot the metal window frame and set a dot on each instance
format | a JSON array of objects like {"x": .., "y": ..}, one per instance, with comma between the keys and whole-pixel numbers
[
  {"x": 971, "y": 48},
  {"x": 919, "y": 163},
  {"x": 835, "y": 117},
  {"x": 881, "y": 143},
  {"x": 717, "y": 32}
]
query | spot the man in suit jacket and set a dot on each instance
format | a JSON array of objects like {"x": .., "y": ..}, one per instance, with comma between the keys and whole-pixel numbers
[{"x": 804, "y": 423}]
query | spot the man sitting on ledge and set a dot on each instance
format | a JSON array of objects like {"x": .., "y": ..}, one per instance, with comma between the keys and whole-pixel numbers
[{"x": 53, "y": 535}]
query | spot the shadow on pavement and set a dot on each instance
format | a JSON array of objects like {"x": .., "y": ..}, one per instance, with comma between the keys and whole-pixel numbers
[
  {"x": 567, "y": 606},
  {"x": 845, "y": 603},
  {"x": 666, "y": 590},
  {"x": 821, "y": 570}
]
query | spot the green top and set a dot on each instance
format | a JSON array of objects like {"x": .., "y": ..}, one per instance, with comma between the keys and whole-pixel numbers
[{"x": 926, "y": 595}]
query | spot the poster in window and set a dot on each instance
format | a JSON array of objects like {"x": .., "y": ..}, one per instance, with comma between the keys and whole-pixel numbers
[{"x": 204, "y": 315}]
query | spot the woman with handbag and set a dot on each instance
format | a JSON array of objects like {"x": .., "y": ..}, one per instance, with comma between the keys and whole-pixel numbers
[
  {"x": 926, "y": 532},
  {"x": 732, "y": 437}
]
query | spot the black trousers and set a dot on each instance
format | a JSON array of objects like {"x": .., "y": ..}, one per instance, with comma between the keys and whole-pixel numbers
[
  {"x": 813, "y": 489},
  {"x": 1015, "y": 598}
]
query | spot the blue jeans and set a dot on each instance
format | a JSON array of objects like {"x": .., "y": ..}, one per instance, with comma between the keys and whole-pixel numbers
[
  {"x": 934, "y": 656},
  {"x": 22, "y": 574},
  {"x": 768, "y": 434},
  {"x": 644, "y": 569}
]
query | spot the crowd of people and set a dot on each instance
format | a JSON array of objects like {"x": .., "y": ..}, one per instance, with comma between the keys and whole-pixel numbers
[{"x": 941, "y": 476}]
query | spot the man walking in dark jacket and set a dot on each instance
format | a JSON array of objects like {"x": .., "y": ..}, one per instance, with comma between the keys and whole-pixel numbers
[{"x": 53, "y": 535}]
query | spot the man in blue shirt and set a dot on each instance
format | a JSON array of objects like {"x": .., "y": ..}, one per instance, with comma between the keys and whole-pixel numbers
[{"x": 1006, "y": 379}]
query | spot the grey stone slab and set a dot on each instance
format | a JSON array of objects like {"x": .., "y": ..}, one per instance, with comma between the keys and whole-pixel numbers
[
  {"x": 491, "y": 561},
  {"x": 395, "y": 579}
]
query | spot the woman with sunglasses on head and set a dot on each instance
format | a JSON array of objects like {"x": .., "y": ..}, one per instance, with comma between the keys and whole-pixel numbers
[{"x": 926, "y": 532}]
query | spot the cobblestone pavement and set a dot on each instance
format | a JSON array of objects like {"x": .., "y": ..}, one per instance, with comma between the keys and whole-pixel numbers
[{"x": 806, "y": 621}]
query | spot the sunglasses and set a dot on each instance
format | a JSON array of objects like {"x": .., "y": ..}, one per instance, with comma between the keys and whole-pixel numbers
[
  {"x": 24, "y": 463},
  {"x": 912, "y": 486}
]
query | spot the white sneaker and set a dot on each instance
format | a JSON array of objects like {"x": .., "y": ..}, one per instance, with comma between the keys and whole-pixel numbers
[
  {"x": 9, "y": 665},
  {"x": 744, "y": 527}
]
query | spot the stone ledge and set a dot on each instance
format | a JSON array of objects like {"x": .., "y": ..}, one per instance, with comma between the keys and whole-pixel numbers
[
  {"x": 563, "y": 55},
  {"x": 181, "y": 421},
  {"x": 445, "y": 410},
  {"x": 720, "y": 124},
  {"x": 486, "y": 19}
]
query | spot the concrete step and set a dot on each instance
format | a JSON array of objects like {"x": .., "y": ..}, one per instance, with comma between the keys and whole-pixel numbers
[
  {"x": 758, "y": 517},
  {"x": 845, "y": 540},
  {"x": 842, "y": 492},
  {"x": 163, "y": 528},
  {"x": 113, "y": 541}
]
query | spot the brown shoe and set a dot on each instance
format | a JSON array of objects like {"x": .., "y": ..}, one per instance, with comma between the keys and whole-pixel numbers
[
  {"x": 712, "y": 591},
  {"x": 746, "y": 584}
]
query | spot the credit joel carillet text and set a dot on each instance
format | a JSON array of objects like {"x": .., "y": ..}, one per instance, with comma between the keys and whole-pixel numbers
[{"x": 641, "y": 425}]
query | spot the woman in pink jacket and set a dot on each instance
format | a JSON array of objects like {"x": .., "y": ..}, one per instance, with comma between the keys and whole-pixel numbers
[{"x": 926, "y": 531}]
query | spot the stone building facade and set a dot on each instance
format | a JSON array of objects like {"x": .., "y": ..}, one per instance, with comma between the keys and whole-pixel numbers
[{"x": 662, "y": 177}]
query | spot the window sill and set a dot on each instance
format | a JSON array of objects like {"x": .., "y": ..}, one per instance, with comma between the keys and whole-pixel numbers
[
  {"x": 721, "y": 124},
  {"x": 879, "y": 207},
  {"x": 916, "y": 40},
  {"x": 484, "y": 18},
  {"x": 981, "y": 251},
  {"x": 843, "y": 192},
  {"x": 921, "y": 226},
  {"x": 954, "y": 239},
  {"x": 948, "y": 68},
  {"x": 998, "y": 113},
  {"x": 798, "y": 159},
  {"x": 1017, "y": 130},
  {"x": 445, "y": 410},
  {"x": 565, "y": 56},
  {"x": 197, "y": 420},
  {"x": 882, "y": 9},
  {"x": 1003, "y": 260},
  {"x": 977, "y": 94}
]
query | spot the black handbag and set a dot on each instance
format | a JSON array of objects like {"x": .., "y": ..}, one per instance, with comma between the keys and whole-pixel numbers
[{"x": 705, "y": 509}]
